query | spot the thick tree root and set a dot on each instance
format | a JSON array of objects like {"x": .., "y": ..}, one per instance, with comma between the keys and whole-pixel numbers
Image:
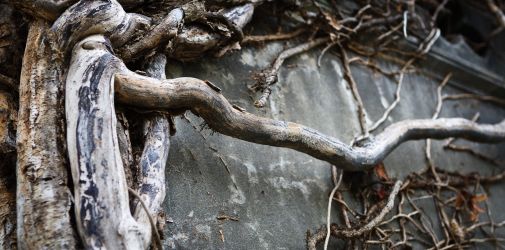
[
  {"x": 101, "y": 195},
  {"x": 154, "y": 157},
  {"x": 196, "y": 95},
  {"x": 95, "y": 17},
  {"x": 43, "y": 197},
  {"x": 164, "y": 31}
]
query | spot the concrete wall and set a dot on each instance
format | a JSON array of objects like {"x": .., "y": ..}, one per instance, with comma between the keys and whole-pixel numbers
[{"x": 276, "y": 193}]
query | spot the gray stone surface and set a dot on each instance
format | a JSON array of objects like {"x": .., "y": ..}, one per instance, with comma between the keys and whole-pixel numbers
[{"x": 276, "y": 193}]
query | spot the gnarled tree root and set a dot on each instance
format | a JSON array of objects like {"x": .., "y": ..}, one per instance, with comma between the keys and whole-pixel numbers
[
  {"x": 206, "y": 101},
  {"x": 153, "y": 161},
  {"x": 101, "y": 195},
  {"x": 102, "y": 207}
]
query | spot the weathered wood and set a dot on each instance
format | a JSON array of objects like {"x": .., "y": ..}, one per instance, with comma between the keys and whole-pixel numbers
[
  {"x": 42, "y": 192},
  {"x": 152, "y": 167},
  {"x": 95, "y": 17},
  {"x": 194, "y": 41},
  {"x": 204, "y": 100},
  {"x": 160, "y": 34},
  {"x": 154, "y": 157},
  {"x": 43, "y": 197},
  {"x": 102, "y": 209}
]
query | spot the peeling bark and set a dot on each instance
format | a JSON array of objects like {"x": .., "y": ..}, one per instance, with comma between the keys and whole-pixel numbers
[{"x": 43, "y": 197}]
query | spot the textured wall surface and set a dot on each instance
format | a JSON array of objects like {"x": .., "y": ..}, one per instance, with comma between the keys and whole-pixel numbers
[{"x": 277, "y": 194}]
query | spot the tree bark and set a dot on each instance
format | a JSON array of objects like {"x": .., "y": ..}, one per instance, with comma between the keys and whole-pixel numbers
[
  {"x": 43, "y": 196},
  {"x": 152, "y": 188},
  {"x": 102, "y": 207}
]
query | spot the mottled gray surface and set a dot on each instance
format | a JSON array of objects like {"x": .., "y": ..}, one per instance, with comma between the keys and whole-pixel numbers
[{"x": 276, "y": 193}]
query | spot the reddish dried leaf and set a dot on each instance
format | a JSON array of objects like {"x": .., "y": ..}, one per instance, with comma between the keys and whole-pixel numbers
[
  {"x": 460, "y": 201},
  {"x": 380, "y": 171},
  {"x": 475, "y": 210},
  {"x": 382, "y": 193},
  {"x": 470, "y": 203},
  {"x": 479, "y": 198}
]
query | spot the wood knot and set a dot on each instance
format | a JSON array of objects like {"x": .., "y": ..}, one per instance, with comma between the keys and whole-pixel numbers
[{"x": 89, "y": 45}]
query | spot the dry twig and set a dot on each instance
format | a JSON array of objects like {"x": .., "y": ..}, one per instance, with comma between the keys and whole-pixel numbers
[
  {"x": 273, "y": 37},
  {"x": 270, "y": 76},
  {"x": 388, "y": 111},
  {"x": 328, "y": 218},
  {"x": 355, "y": 92}
]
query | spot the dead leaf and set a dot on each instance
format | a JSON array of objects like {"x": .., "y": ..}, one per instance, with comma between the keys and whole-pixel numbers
[
  {"x": 475, "y": 210},
  {"x": 460, "y": 201},
  {"x": 470, "y": 203},
  {"x": 380, "y": 171}
]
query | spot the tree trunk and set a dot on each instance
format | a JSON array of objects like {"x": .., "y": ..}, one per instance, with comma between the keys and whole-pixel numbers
[{"x": 43, "y": 196}]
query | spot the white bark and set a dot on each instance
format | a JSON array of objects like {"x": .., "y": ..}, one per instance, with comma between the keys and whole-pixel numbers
[
  {"x": 102, "y": 209},
  {"x": 95, "y": 17}
]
